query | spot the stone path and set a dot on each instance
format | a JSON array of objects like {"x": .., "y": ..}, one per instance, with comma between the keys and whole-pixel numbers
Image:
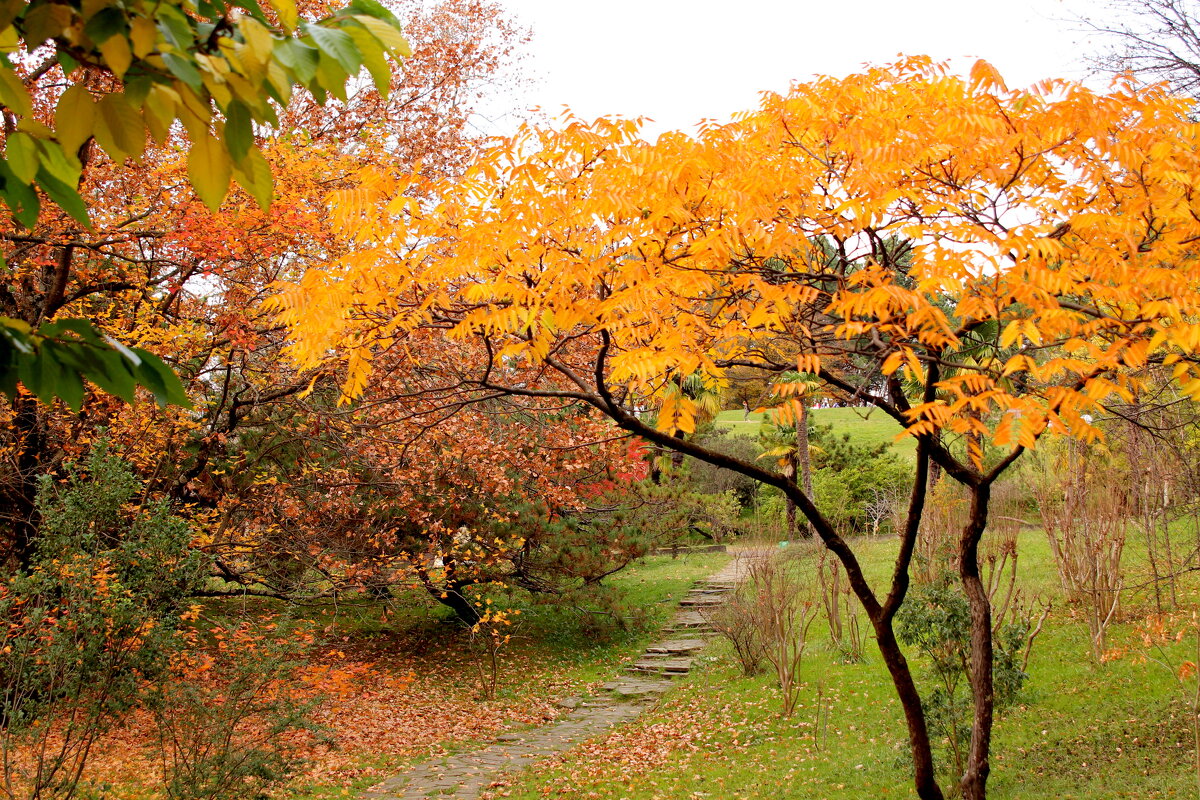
[{"x": 465, "y": 775}]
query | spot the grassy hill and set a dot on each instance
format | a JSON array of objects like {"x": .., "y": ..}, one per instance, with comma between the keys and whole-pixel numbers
[{"x": 866, "y": 426}]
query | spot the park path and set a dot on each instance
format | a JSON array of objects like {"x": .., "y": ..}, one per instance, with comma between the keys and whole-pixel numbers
[{"x": 464, "y": 776}]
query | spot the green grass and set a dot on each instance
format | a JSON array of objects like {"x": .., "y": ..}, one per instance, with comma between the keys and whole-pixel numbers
[
  {"x": 1081, "y": 729},
  {"x": 866, "y": 426}
]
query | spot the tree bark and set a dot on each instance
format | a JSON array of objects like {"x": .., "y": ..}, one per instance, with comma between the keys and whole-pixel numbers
[
  {"x": 29, "y": 427},
  {"x": 802, "y": 458},
  {"x": 974, "y": 780}
]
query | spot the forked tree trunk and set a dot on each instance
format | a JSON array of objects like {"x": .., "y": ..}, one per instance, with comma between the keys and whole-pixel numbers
[{"x": 881, "y": 615}]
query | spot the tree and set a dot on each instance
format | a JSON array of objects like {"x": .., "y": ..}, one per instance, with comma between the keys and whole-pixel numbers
[
  {"x": 158, "y": 271},
  {"x": 785, "y": 436},
  {"x": 80, "y": 76},
  {"x": 1057, "y": 217},
  {"x": 1157, "y": 40}
]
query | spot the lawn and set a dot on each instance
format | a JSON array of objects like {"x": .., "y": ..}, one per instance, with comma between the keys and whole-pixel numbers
[{"x": 1119, "y": 729}]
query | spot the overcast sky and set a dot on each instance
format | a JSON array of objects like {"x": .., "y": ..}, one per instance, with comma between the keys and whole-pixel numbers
[{"x": 680, "y": 61}]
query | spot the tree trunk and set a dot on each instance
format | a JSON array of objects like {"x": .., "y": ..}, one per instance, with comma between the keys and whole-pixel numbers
[
  {"x": 454, "y": 600},
  {"x": 935, "y": 469},
  {"x": 29, "y": 427},
  {"x": 802, "y": 458},
  {"x": 924, "y": 777},
  {"x": 974, "y": 780}
]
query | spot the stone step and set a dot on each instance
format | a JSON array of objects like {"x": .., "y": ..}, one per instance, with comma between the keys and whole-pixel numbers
[
  {"x": 676, "y": 646},
  {"x": 688, "y": 619},
  {"x": 701, "y": 602},
  {"x": 637, "y": 687},
  {"x": 662, "y": 665},
  {"x": 691, "y": 630}
]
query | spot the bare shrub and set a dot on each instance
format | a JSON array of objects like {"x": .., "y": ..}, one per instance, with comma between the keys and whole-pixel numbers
[
  {"x": 1083, "y": 506},
  {"x": 739, "y": 621},
  {"x": 841, "y": 609},
  {"x": 228, "y": 719},
  {"x": 945, "y": 515},
  {"x": 786, "y": 616}
]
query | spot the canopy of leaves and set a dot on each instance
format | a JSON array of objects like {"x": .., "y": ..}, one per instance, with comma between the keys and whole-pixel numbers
[{"x": 876, "y": 222}]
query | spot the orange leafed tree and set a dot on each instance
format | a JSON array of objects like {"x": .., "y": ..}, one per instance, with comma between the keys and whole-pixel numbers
[
  {"x": 877, "y": 229},
  {"x": 158, "y": 270}
]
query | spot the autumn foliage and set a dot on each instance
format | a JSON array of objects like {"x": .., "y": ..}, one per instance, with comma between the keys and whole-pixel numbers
[{"x": 986, "y": 265}]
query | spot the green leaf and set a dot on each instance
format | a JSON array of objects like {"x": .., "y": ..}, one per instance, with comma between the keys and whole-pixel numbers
[
  {"x": 8, "y": 367},
  {"x": 255, "y": 10},
  {"x": 20, "y": 197},
  {"x": 332, "y": 77},
  {"x": 254, "y": 175},
  {"x": 184, "y": 70},
  {"x": 119, "y": 129},
  {"x": 239, "y": 130},
  {"x": 209, "y": 169},
  {"x": 161, "y": 380},
  {"x": 40, "y": 372},
  {"x": 109, "y": 370},
  {"x": 67, "y": 63},
  {"x": 137, "y": 87},
  {"x": 65, "y": 195},
  {"x": 373, "y": 9},
  {"x": 59, "y": 164},
  {"x": 105, "y": 23},
  {"x": 337, "y": 45},
  {"x": 21, "y": 153},
  {"x": 299, "y": 58},
  {"x": 69, "y": 388},
  {"x": 177, "y": 28},
  {"x": 82, "y": 328},
  {"x": 211, "y": 8},
  {"x": 373, "y": 57},
  {"x": 74, "y": 117}
]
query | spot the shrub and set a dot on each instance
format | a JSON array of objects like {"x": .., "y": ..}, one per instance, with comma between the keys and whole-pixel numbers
[
  {"x": 707, "y": 479},
  {"x": 936, "y": 618},
  {"x": 91, "y": 624},
  {"x": 226, "y": 715}
]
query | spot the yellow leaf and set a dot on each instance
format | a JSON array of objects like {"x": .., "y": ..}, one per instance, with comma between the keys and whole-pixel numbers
[
  {"x": 209, "y": 170},
  {"x": 117, "y": 54},
  {"x": 387, "y": 35},
  {"x": 987, "y": 77},
  {"x": 144, "y": 35},
  {"x": 119, "y": 129},
  {"x": 13, "y": 94},
  {"x": 288, "y": 15},
  {"x": 74, "y": 117}
]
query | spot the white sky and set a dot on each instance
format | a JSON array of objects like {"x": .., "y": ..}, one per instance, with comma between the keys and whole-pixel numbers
[{"x": 680, "y": 61}]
